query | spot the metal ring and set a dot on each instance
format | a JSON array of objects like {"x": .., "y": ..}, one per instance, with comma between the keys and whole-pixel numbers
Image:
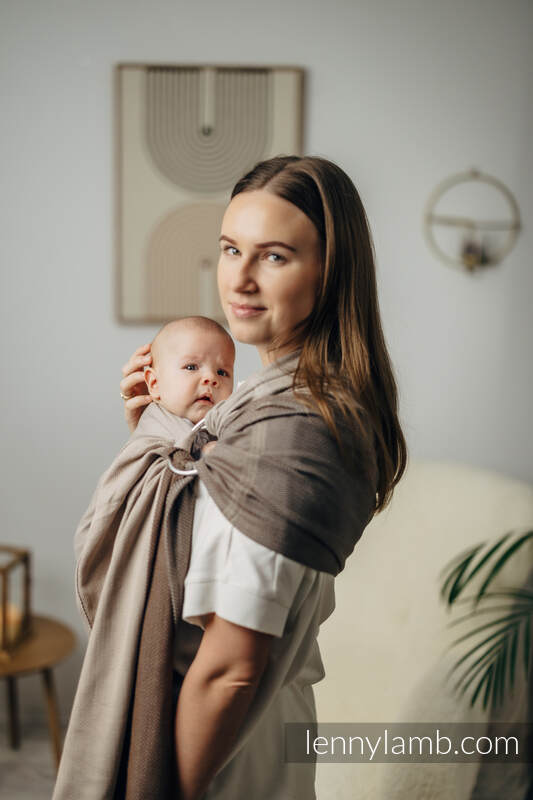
[
  {"x": 193, "y": 471},
  {"x": 181, "y": 471},
  {"x": 198, "y": 425},
  {"x": 126, "y": 396}
]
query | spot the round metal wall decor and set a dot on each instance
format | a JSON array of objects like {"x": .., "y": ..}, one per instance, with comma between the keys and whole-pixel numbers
[{"x": 471, "y": 220}]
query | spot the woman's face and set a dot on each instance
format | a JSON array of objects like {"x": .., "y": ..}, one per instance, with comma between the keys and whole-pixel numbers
[{"x": 269, "y": 268}]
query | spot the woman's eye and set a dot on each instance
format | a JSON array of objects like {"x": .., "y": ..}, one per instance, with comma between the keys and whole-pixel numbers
[
  {"x": 276, "y": 258},
  {"x": 191, "y": 366},
  {"x": 229, "y": 248}
]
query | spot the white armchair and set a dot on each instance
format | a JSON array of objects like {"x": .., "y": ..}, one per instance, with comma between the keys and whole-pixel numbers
[{"x": 384, "y": 647}]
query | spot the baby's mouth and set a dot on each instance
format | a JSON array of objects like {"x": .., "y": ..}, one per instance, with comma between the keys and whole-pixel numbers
[{"x": 204, "y": 398}]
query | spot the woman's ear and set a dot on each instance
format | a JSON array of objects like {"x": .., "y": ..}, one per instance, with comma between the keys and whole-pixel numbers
[{"x": 151, "y": 381}]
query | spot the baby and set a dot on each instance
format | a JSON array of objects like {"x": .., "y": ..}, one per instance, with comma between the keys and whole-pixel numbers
[
  {"x": 192, "y": 367},
  {"x": 191, "y": 371}
]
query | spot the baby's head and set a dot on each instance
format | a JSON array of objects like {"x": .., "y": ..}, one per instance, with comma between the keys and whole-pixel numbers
[{"x": 192, "y": 366}]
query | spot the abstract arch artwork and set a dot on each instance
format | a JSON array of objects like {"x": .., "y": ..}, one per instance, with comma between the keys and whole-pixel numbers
[{"x": 184, "y": 135}]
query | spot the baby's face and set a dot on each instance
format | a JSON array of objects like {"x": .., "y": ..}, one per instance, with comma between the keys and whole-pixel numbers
[{"x": 194, "y": 371}]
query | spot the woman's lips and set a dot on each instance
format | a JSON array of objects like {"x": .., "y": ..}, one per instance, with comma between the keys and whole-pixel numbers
[{"x": 246, "y": 311}]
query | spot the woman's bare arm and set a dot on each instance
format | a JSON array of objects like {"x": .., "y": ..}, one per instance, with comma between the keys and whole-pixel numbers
[{"x": 214, "y": 699}]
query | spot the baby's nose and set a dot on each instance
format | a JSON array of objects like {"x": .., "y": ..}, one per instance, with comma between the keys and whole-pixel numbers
[{"x": 210, "y": 379}]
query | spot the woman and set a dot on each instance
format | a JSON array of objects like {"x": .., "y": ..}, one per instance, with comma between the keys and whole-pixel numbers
[{"x": 296, "y": 278}]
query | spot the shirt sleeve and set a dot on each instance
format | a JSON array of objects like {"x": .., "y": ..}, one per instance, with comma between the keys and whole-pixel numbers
[{"x": 235, "y": 577}]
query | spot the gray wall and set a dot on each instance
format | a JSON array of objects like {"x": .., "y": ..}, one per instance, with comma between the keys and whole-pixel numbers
[{"x": 400, "y": 94}]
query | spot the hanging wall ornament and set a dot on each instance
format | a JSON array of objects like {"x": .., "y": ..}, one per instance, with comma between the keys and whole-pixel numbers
[{"x": 472, "y": 220}]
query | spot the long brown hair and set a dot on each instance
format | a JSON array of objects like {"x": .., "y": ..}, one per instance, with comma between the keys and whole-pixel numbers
[{"x": 343, "y": 350}]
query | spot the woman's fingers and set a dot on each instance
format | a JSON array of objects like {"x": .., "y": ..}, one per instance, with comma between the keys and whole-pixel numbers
[
  {"x": 133, "y": 409},
  {"x": 139, "y": 401},
  {"x": 136, "y": 363},
  {"x": 140, "y": 358},
  {"x": 134, "y": 384},
  {"x": 208, "y": 446}
]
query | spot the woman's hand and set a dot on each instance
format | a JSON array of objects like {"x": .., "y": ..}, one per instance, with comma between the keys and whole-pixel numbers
[
  {"x": 133, "y": 386},
  {"x": 207, "y": 447}
]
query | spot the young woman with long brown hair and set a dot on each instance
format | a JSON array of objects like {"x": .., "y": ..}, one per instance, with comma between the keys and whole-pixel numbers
[{"x": 297, "y": 279}]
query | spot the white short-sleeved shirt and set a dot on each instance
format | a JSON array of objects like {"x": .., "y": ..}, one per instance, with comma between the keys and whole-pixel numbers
[{"x": 253, "y": 586}]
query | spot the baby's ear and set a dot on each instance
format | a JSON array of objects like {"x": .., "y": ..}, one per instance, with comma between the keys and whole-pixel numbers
[{"x": 151, "y": 381}]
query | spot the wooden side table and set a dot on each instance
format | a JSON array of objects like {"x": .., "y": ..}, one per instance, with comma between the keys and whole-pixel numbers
[{"x": 48, "y": 644}]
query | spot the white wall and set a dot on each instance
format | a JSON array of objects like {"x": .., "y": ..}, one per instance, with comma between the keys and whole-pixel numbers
[{"x": 401, "y": 94}]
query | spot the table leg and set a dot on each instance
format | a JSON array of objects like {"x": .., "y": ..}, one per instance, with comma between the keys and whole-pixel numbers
[
  {"x": 53, "y": 715},
  {"x": 13, "y": 714}
]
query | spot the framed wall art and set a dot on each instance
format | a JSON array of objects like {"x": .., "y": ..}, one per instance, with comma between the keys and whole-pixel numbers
[{"x": 184, "y": 134}]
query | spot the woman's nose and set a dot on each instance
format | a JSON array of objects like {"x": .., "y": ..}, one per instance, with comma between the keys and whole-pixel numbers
[{"x": 243, "y": 278}]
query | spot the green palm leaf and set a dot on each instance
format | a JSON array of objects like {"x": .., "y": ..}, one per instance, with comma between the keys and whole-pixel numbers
[
  {"x": 526, "y": 648},
  {"x": 504, "y": 557},
  {"x": 491, "y": 663},
  {"x": 493, "y": 660},
  {"x": 471, "y": 672},
  {"x": 458, "y": 576}
]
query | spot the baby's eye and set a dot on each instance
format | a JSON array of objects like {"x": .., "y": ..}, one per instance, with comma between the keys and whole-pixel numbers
[
  {"x": 223, "y": 372},
  {"x": 278, "y": 258},
  {"x": 191, "y": 366}
]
